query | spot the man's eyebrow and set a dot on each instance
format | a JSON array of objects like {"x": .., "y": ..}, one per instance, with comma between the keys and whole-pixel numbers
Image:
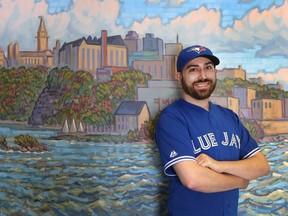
[
  {"x": 195, "y": 65},
  {"x": 189, "y": 66}
]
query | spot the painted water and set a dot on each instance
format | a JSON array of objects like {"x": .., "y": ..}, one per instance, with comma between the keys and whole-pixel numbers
[{"x": 90, "y": 178}]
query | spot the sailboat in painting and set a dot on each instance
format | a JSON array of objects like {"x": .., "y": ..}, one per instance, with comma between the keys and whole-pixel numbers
[
  {"x": 81, "y": 128},
  {"x": 65, "y": 127},
  {"x": 73, "y": 129}
]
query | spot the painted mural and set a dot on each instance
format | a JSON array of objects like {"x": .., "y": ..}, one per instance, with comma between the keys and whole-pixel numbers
[{"x": 82, "y": 84}]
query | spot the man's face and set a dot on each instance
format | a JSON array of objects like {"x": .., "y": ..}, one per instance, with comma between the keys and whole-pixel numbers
[{"x": 198, "y": 78}]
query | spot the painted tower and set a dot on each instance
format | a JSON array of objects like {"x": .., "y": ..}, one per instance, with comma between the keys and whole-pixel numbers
[
  {"x": 42, "y": 56},
  {"x": 42, "y": 36}
]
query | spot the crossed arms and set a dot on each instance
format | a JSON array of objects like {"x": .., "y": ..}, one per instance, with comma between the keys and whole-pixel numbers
[{"x": 209, "y": 175}]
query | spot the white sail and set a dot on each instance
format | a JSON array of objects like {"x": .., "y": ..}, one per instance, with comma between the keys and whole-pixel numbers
[
  {"x": 81, "y": 128},
  {"x": 73, "y": 128},
  {"x": 65, "y": 127}
]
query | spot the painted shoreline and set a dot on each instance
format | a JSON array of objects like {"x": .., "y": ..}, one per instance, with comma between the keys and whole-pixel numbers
[
  {"x": 277, "y": 137},
  {"x": 109, "y": 138},
  {"x": 25, "y": 125}
]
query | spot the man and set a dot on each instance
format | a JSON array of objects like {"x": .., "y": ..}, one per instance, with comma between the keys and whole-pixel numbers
[{"x": 206, "y": 151}]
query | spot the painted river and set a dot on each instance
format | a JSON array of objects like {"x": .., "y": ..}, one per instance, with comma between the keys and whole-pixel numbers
[{"x": 90, "y": 178}]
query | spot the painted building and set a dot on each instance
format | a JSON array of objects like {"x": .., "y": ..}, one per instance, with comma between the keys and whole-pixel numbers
[
  {"x": 158, "y": 94},
  {"x": 163, "y": 69},
  {"x": 285, "y": 107},
  {"x": 106, "y": 55},
  {"x": 42, "y": 56},
  {"x": 133, "y": 42},
  {"x": 150, "y": 49},
  {"x": 130, "y": 115},
  {"x": 232, "y": 73},
  {"x": 277, "y": 85},
  {"x": 272, "y": 115},
  {"x": 246, "y": 95},
  {"x": 2, "y": 58},
  {"x": 150, "y": 43},
  {"x": 143, "y": 56},
  {"x": 231, "y": 103},
  {"x": 257, "y": 80},
  {"x": 173, "y": 48},
  {"x": 266, "y": 109},
  {"x": 56, "y": 53}
]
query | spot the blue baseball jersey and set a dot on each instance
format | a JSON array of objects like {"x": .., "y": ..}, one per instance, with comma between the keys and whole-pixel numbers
[{"x": 183, "y": 132}]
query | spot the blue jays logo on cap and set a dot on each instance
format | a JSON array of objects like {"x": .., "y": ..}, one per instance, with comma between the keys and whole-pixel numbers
[
  {"x": 197, "y": 49},
  {"x": 193, "y": 52}
]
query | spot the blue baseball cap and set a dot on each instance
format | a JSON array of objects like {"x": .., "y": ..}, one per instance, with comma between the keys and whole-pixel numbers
[{"x": 193, "y": 52}]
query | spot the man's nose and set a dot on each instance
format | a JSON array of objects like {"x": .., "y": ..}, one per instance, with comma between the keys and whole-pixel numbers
[{"x": 202, "y": 73}]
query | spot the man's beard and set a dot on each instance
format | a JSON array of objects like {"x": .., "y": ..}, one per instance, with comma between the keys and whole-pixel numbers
[{"x": 198, "y": 94}]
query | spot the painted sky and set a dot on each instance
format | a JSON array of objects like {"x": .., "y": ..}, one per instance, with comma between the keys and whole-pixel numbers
[{"x": 251, "y": 33}]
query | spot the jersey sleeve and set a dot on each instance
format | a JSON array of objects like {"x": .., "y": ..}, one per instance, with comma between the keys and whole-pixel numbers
[
  {"x": 173, "y": 140},
  {"x": 249, "y": 146}
]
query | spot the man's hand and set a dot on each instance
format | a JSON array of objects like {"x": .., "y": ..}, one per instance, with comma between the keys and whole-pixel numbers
[
  {"x": 203, "y": 179},
  {"x": 249, "y": 168},
  {"x": 206, "y": 161},
  {"x": 245, "y": 184}
]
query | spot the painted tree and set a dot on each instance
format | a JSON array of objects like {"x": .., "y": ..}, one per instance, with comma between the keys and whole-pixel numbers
[{"x": 20, "y": 89}]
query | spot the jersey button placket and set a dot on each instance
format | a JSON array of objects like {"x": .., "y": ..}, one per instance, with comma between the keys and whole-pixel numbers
[{"x": 213, "y": 122}]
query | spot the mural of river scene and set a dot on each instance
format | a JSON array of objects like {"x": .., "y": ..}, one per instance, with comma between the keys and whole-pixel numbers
[
  {"x": 90, "y": 178},
  {"x": 110, "y": 66}
]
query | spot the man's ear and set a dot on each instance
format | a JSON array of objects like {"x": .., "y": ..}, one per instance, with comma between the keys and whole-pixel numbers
[{"x": 178, "y": 77}]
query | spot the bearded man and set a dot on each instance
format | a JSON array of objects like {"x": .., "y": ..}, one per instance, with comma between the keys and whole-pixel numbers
[{"x": 205, "y": 149}]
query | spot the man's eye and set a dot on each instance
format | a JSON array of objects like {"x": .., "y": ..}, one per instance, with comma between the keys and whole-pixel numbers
[
  {"x": 209, "y": 67},
  {"x": 193, "y": 70}
]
